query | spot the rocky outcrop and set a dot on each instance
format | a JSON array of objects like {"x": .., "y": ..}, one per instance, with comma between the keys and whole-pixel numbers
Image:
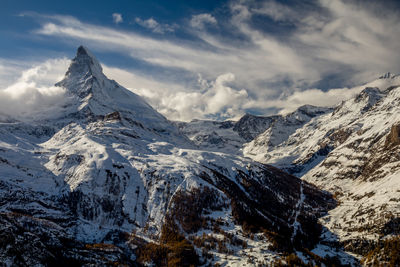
[{"x": 393, "y": 137}]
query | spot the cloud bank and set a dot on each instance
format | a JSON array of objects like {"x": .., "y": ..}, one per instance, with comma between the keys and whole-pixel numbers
[
  {"x": 264, "y": 56},
  {"x": 34, "y": 92}
]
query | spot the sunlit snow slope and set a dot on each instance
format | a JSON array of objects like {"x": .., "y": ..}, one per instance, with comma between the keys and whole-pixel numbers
[
  {"x": 352, "y": 152},
  {"x": 110, "y": 169}
]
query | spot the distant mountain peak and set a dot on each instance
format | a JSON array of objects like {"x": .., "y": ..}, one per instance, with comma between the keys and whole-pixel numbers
[
  {"x": 312, "y": 111},
  {"x": 388, "y": 75},
  {"x": 370, "y": 90}
]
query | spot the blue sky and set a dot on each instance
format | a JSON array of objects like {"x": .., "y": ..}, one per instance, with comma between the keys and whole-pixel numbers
[{"x": 201, "y": 59}]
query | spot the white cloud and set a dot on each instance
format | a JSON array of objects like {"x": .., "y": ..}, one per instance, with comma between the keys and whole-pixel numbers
[
  {"x": 276, "y": 11},
  {"x": 10, "y": 71},
  {"x": 34, "y": 91},
  {"x": 154, "y": 26},
  {"x": 314, "y": 97},
  {"x": 199, "y": 21},
  {"x": 267, "y": 59},
  {"x": 117, "y": 18},
  {"x": 219, "y": 100},
  {"x": 215, "y": 99},
  {"x": 136, "y": 82},
  {"x": 349, "y": 41}
]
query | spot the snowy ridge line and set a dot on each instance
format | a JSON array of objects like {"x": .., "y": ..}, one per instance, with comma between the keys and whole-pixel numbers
[{"x": 351, "y": 152}]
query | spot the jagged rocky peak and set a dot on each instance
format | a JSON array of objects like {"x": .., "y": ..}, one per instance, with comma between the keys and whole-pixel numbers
[
  {"x": 362, "y": 102},
  {"x": 249, "y": 126},
  {"x": 372, "y": 93},
  {"x": 249, "y": 119},
  {"x": 92, "y": 97},
  {"x": 302, "y": 115},
  {"x": 370, "y": 96},
  {"x": 313, "y": 111},
  {"x": 82, "y": 72},
  {"x": 388, "y": 75},
  {"x": 85, "y": 63}
]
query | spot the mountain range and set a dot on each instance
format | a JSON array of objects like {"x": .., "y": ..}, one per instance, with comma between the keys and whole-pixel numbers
[{"x": 107, "y": 180}]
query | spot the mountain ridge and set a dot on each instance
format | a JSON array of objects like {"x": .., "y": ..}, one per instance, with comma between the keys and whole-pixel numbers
[
  {"x": 349, "y": 150},
  {"x": 352, "y": 153},
  {"x": 107, "y": 178},
  {"x": 231, "y": 137}
]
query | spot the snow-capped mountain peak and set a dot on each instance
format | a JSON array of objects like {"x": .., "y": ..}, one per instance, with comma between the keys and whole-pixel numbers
[
  {"x": 85, "y": 57},
  {"x": 83, "y": 69},
  {"x": 93, "y": 96}
]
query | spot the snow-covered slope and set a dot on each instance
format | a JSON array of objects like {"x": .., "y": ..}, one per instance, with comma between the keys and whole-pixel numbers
[
  {"x": 110, "y": 169},
  {"x": 249, "y": 126},
  {"x": 353, "y": 153},
  {"x": 280, "y": 130},
  {"x": 212, "y": 135},
  {"x": 226, "y": 136},
  {"x": 230, "y": 137},
  {"x": 94, "y": 96}
]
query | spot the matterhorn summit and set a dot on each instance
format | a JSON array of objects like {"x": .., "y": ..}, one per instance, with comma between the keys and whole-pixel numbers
[
  {"x": 94, "y": 95},
  {"x": 82, "y": 73}
]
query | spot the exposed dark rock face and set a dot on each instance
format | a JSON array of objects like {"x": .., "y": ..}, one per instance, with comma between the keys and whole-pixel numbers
[
  {"x": 29, "y": 241},
  {"x": 393, "y": 138},
  {"x": 249, "y": 126},
  {"x": 113, "y": 116}
]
